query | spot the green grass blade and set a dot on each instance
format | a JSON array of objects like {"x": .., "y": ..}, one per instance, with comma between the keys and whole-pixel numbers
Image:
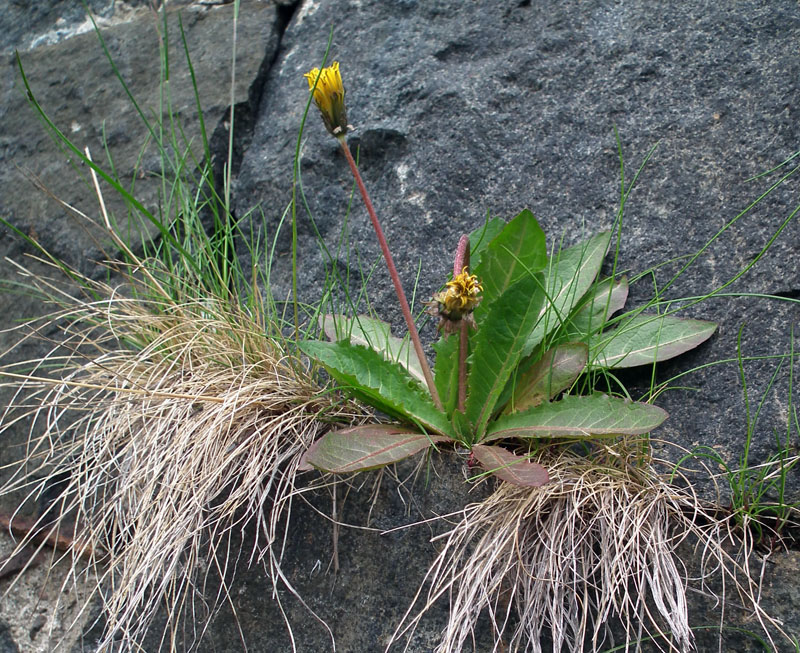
[{"x": 140, "y": 208}]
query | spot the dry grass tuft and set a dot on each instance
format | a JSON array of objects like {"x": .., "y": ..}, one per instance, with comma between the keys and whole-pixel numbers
[
  {"x": 176, "y": 425},
  {"x": 563, "y": 562}
]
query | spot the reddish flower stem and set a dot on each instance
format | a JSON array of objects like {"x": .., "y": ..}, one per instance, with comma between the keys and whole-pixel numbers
[
  {"x": 398, "y": 288},
  {"x": 462, "y": 261}
]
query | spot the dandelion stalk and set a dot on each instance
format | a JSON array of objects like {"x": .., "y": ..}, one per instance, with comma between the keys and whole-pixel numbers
[
  {"x": 398, "y": 287},
  {"x": 461, "y": 262},
  {"x": 328, "y": 91}
]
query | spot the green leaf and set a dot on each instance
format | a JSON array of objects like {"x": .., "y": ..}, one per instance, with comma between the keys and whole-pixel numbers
[
  {"x": 555, "y": 372},
  {"x": 445, "y": 372},
  {"x": 570, "y": 274},
  {"x": 646, "y": 339},
  {"x": 480, "y": 238},
  {"x": 600, "y": 303},
  {"x": 517, "y": 251},
  {"x": 510, "y": 467},
  {"x": 365, "y": 447},
  {"x": 375, "y": 334},
  {"x": 497, "y": 346},
  {"x": 575, "y": 416},
  {"x": 381, "y": 383}
]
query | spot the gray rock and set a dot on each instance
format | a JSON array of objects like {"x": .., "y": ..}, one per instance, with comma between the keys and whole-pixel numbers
[
  {"x": 25, "y": 24},
  {"x": 740, "y": 635},
  {"x": 84, "y": 98},
  {"x": 7, "y": 644},
  {"x": 462, "y": 109}
]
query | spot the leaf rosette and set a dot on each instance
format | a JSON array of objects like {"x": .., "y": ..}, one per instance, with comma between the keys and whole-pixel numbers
[{"x": 518, "y": 376}]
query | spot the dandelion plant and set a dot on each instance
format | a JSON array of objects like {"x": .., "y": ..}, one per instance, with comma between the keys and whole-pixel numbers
[
  {"x": 518, "y": 328},
  {"x": 580, "y": 516}
]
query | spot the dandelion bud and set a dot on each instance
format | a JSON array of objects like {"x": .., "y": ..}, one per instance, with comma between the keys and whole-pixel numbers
[{"x": 329, "y": 97}]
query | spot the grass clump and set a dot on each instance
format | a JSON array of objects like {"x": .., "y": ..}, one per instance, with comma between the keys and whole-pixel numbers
[
  {"x": 172, "y": 412},
  {"x": 758, "y": 498},
  {"x": 592, "y": 556},
  {"x": 179, "y": 445}
]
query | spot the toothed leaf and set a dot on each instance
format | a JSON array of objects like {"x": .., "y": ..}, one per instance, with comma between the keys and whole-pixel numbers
[
  {"x": 375, "y": 334},
  {"x": 381, "y": 383},
  {"x": 446, "y": 371},
  {"x": 598, "y": 306},
  {"x": 480, "y": 238}
]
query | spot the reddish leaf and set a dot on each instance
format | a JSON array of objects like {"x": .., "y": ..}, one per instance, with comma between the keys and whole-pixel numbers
[
  {"x": 365, "y": 447},
  {"x": 510, "y": 467},
  {"x": 575, "y": 416}
]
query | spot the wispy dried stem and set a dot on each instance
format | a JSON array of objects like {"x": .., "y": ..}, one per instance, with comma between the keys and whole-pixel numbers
[
  {"x": 171, "y": 444},
  {"x": 563, "y": 562}
]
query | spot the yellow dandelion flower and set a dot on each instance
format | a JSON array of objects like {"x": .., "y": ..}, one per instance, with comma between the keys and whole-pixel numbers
[
  {"x": 457, "y": 302},
  {"x": 329, "y": 97},
  {"x": 462, "y": 293}
]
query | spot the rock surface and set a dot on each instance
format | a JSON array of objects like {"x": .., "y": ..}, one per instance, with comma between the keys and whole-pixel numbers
[
  {"x": 462, "y": 109},
  {"x": 84, "y": 98}
]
